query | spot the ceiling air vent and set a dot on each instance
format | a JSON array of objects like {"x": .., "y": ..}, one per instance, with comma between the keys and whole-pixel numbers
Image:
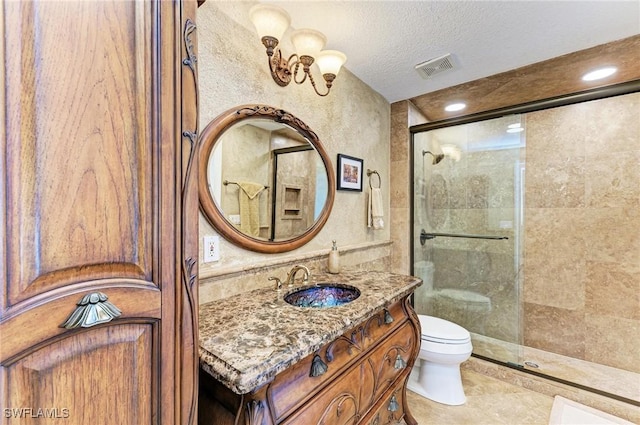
[{"x": 435, "y": 66}]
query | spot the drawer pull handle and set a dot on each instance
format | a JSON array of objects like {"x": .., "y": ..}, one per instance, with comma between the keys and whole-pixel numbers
[
  {"x": 400, "y": 363},
  {"x": 91, "y": 310},
  {"x": 318, "y": 367},
  {"x": 388, "y": 318},
  {"x": 393, "y": 404}
]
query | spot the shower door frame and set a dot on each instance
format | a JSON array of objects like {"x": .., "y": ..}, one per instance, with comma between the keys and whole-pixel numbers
[{"x": 557, "y": 101}]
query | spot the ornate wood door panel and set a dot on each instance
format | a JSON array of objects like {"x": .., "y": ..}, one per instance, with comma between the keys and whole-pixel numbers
[
  {"x": 96, "y": 196},
  {"x": 38, "y": 380}
]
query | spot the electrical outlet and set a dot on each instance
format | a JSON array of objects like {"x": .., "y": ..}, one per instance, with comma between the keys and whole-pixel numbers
[
  {"x": 211, "y": 248},
  {"x": 234, "y": 218}
]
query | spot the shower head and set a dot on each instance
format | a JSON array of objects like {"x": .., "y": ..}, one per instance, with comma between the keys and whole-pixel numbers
[{"x": 436, "y": 158}]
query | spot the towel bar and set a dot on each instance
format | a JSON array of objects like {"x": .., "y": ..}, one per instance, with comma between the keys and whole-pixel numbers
[{"x": 227, "y": 182}]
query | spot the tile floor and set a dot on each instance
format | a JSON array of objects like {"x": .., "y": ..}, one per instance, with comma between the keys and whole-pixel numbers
[{"x": 489, "y": 402}]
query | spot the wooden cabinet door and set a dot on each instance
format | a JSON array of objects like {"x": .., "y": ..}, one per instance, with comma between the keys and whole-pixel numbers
[{"x": 99, "y": 213}]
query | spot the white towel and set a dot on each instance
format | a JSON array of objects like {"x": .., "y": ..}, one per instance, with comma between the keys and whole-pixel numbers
[{"x": 375, "y": 213}]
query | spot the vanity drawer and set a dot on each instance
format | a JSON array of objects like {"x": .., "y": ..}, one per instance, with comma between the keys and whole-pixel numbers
[
  {"x": 291, "y": 388},
  {"x": 337, "y": 404},
  {"x": 389, "y": 411},
  {"x": 385, "y": 364},
  {"x": 381, "y": 324}
]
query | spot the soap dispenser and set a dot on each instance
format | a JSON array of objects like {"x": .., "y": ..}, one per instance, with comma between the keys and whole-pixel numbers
[{"x": 334, "y": 259}]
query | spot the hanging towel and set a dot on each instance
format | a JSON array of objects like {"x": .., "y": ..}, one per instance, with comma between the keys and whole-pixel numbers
[
  {"x": 250, "y": 207},
  {"x": 375, "y": 212}
]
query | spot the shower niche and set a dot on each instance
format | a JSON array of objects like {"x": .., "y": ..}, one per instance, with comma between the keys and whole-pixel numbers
[{"x": 291, "y": 202}]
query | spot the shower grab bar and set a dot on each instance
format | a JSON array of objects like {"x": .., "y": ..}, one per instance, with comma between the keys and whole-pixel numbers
[{"x": 424, "y": 236}]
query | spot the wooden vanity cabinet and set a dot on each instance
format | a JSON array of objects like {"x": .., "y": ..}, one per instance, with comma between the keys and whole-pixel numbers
[{"x": 364, "y": 380}]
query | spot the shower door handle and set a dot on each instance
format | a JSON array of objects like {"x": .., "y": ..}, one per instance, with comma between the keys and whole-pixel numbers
[{"x": 424, "y": 236}]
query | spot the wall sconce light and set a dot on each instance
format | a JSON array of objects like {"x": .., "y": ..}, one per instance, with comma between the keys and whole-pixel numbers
[{"x": 271, "y": 22}]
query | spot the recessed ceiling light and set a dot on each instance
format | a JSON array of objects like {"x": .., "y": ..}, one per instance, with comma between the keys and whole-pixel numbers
[
  {"x": 515, "y": 130},
  {"x": 599, "y": 73},
  {"x": 455, "y": 107},
  {"x": 514, "y": 125}
]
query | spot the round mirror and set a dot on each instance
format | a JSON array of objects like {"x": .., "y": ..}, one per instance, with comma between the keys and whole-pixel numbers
[{"x": 265, "y": 181}]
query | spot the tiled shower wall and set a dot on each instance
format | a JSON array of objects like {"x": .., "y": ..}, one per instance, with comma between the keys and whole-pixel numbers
[
  {"x": 582, "y": 231},
  {"x": 574, "y": 289},
  {"x": 608, "y": 292},
  {"x": 472, "y": 196}
]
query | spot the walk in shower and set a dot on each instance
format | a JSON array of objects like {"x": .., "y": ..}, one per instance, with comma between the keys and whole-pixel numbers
[{"x": 526, "y": 232}]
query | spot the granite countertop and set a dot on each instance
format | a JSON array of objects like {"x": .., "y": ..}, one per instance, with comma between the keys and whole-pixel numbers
[{"x": 246, "y": 339}]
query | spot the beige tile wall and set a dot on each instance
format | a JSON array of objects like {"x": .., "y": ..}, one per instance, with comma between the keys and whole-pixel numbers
[
  {"x": 403, "y": 116},
  {"x": 582, "y": 233},
  {"x": 400, "y": 154},
  {"x": 582, "y": 182},
  {"x": 581, "y": 286}
]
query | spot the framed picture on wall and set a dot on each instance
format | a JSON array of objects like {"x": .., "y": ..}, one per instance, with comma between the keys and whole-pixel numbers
[{"x": 349, "y": 173}]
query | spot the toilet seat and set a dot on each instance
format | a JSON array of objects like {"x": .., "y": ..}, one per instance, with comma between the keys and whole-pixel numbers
[{"x": 442, "y": 331}]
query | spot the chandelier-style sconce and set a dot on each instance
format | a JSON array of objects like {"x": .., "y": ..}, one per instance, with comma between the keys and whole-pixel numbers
[{"x": 271, "y": 22}]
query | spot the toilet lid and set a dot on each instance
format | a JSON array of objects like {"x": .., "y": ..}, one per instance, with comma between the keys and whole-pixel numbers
[{"x": 439, "y": 330}]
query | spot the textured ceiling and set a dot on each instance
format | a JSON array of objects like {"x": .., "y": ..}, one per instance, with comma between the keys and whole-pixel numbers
[{"x": 384, "y": 40}]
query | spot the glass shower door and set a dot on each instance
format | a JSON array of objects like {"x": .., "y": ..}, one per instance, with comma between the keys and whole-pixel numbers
[{"x": 467, "y": 230}]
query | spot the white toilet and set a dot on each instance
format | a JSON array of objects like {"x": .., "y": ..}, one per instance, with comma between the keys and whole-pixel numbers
[{"x": 436, "y": 376}]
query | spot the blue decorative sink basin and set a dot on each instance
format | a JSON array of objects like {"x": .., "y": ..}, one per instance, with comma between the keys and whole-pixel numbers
[{"x": 323, "y": 295}]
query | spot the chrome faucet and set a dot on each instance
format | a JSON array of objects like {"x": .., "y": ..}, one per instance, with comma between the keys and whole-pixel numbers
[{"x": 291, "y": 276}]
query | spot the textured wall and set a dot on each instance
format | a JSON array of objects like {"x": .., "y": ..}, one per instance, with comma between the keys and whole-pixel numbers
[
  {"x": 352, "y": 120},
  {"x": 582, "y": 233}
]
